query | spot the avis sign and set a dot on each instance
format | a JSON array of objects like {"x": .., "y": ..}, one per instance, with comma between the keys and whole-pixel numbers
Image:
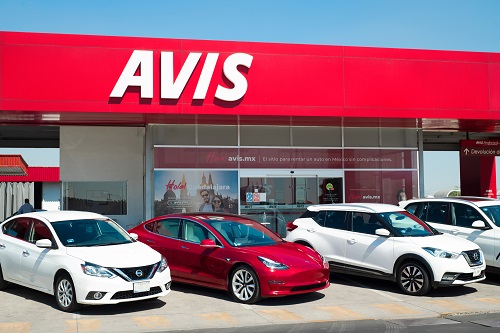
[{"x": 171, "y": 88}]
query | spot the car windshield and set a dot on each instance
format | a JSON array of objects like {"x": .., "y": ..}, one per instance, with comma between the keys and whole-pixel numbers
[
  {"x": 94, "y": 232},
  {"x": 407, "y": 224},
  {"x": 493, "y": 213},
  {"x": 243, "y": 232}
]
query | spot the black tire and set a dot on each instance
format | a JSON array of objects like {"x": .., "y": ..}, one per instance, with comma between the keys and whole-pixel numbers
[
  {"x": 244, "y": 285},
  {"x": 3, "y": 283},
  {"x": 65, "y": 294},
  {"x": 413, "y": 278}
]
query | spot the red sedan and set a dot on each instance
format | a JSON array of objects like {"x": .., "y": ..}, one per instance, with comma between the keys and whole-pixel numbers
[{"x": 234, "y": 253}]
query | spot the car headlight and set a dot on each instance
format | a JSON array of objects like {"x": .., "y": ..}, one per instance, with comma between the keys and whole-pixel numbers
[
  {"x": 272, "y": 264},
  {"x": 163, "y": 264},
  {"x": 441, "y": 253},
  {"x": 96, "y": 270}
]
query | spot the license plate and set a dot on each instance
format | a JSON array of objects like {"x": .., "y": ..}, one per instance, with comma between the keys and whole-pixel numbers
[
  {"x": 140, "y": 287},
  {"x": 476, "y": 272}
]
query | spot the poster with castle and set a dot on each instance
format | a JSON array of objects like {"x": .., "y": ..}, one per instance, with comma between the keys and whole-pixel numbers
[{"x": 179, "y": 191}]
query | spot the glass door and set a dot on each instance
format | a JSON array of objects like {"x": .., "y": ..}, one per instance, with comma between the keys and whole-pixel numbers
[{"x": 275, "y": 198}]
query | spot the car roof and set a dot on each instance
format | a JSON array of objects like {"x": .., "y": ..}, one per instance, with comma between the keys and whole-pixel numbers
[
  {"x": 358, "y": 207},
  {"x": 63, "y": 215},
  {"x": 477, "y": 201}
]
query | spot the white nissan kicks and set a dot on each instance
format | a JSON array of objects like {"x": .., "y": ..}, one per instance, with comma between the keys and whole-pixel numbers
[
  {"x": 385, "y": 241},
  {"x": 80, "y": 258}
]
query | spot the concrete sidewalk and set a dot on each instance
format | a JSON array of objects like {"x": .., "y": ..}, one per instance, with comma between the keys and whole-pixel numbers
[{"x": 187, "y": 307}]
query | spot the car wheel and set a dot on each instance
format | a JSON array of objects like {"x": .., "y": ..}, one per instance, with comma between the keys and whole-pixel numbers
[
  {"x": 3, "y": 283},
  {"x": 244, "y": 285},
  {"x": 413, "y": 278},
  {"x": 65, "y": 294}
]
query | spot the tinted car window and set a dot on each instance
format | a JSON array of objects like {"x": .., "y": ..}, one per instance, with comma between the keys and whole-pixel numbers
[
  {"x": 365, "y": 223},
  {"x": 412, "y": 208},
  {"x": 437, "y": 212},
  {"x": 40, "y": 231},
  {"x": 335, "y": 220},
  {"x": 18, "y": 228},
  {"x": 493, "y": 213},
  {"x": 464, "y": 215},
  {"x": 167, "y": 227}
]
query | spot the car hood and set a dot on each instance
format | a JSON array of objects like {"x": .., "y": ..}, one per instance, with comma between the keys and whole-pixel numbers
[
  {"x": 290, "y": 254},
  {"x": 122, "y": 255},
  {"x": 445, "y": 242}
]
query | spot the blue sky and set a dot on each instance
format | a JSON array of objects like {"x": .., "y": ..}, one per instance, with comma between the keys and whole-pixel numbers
[{"x": 419, "y": 24}]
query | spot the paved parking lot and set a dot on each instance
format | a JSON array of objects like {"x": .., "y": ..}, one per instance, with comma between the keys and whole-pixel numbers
[{"x": 187, "y": 307}]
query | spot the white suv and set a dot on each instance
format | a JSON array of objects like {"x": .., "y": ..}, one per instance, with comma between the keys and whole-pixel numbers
[
  {"x": 476, "y": 219},
  {"x": 385, "y": 241}
]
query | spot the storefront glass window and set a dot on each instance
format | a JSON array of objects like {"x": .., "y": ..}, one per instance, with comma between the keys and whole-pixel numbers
[{"x": 107, "y": 198}]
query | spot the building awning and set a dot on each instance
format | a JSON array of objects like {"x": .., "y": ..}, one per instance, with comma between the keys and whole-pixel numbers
[
  {"x": 13, "y": 165},
  {"x": 35, "y": 174}
]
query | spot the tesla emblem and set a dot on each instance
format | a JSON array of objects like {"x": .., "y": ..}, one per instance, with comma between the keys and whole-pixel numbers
[{"x": 138, "y": 273}]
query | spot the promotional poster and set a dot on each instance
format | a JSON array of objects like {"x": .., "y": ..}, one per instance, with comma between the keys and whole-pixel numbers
[{"x": 179, "y": 191}]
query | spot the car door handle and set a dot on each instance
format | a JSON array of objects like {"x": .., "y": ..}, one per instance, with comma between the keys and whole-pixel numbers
[
  {"x": 185, "y": 247},
  {"x": 311, "y": 230},
  {"x": 2, "y": 246},
  {"x": 150, "y": 241},
  {"x": 26, "y": 253},
  {"x": 352, "y": 241},
  {"x": 454, "y": 231}
]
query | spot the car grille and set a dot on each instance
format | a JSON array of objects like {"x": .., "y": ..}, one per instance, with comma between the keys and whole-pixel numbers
[
  {"x": 130, "y": 293},
  {"x": 474, "y": 257},
  {"x": 309, "y": 287},
  {"x": 136, "y": 273}
]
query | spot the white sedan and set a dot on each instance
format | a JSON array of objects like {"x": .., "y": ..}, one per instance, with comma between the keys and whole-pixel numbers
[{"x": 80, "y": 258}]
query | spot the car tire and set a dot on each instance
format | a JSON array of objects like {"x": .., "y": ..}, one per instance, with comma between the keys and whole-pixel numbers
[
  {"x": 3, "y": 283},
  {"x": 244, "y": 285},
  {"x": 65, "y": 294},
  {"x": 413, "y": 278}
]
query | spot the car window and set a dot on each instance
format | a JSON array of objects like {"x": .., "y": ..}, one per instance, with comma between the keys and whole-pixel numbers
[
  {"x": 464, "y": 215},
  {"x": 167, "y": 227},
  {"x": 18, "y": 228},
  {"x": 193, "y": 232},
  {"x": 365, "y": 223},
  {"x": 335, "y": 220},
  {"x": 437, "y": 212},
  {"x": 40, "y": 231},
  {"x": 412, "y": 207},
  {"x": 243, "y": 232},
  {"x": 90, "y": 232},
  {"x": 405, "y": 224},
  {"x": 493, "y": 213}
]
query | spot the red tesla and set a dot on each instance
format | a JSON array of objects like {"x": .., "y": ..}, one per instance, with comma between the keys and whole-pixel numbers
[{"x": 234, "y": 253}]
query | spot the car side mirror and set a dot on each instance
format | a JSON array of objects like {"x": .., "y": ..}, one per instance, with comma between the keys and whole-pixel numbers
[
  {"x": 383, "y": 232},
  {"x": 134, "y": 236},
  {"x": 44, "y": 243},
  {"x": 208, "y": 243},
  {"x": 478, "y": 224}
]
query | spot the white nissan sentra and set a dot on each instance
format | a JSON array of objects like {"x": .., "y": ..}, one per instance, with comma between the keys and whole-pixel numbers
[
  {"x": 386, "y": 242},
  {"x": 80, "y": 258}
]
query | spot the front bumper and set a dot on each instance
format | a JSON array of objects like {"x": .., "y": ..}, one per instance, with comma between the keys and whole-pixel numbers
[
  {"x": 294, "y": 281},
  {"x": 98, "y": 290}
]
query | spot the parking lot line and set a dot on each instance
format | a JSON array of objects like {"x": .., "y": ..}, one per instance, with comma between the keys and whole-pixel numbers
[
  {"x": 15, "y": 327},
  {"x": 151, "y": 321},
  {"x": 489, "y": 300},
  {"x": 395, "y": 308},
  {"x": 283, "y": 315},
  {"x": 219, "y": 316},
  {"x": 82, "y": 325},
  {"x": 450, "y": 305},
  {"x": 341, "y": 313}
]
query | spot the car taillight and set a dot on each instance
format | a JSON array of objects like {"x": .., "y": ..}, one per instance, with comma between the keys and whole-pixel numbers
[{"x": 290, "y": 226}]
